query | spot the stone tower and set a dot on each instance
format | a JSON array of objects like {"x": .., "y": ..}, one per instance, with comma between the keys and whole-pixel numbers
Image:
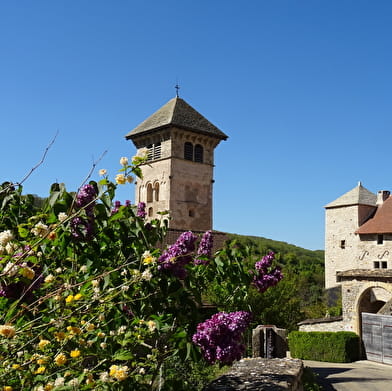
[
  {"x": 343, "y": 217},
  {"x": 178, "y": 177}
]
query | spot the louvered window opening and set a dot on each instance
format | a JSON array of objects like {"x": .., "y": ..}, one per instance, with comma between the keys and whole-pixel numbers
[
  {"x": 154, "y": 151},
  {"x": 198, "y": 153},
  {"x": 188, "y": 151}
]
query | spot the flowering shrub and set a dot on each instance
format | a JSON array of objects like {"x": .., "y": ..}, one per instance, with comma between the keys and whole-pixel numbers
[{"x": 88, "y": 300}]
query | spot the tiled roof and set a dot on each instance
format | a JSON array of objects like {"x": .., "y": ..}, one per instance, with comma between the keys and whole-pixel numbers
[
  {"x": 381, "y": 223},
  {"x": 357, "y": 196},
  {"x": 177, "y": 113}
]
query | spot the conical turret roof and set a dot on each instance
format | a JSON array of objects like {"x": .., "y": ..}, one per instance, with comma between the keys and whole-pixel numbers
[
  {"x": 180, "y": 114},
  {"x": 357, "y": 196}
]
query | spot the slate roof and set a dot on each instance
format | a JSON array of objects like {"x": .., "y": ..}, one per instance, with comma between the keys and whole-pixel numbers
[
  {"x": 357, "y": 196},
  {"x": 381, "y": 223},
  {"x": 177, "y": 113}
]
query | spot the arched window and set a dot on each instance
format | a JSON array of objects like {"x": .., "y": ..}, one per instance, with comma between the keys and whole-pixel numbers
[
  {"x": 149, "y": 193},
  {"x": 198, "y": 153},
  {"x": 150, "y": 212},
  {"x": 188, "y": 151},
  {"x": 156, "y": 191}
]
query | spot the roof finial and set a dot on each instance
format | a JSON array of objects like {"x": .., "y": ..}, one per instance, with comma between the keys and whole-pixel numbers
[{"x": 177, "y": 87}]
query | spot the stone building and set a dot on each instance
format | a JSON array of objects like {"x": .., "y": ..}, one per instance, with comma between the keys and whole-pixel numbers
[
  {"x": 178, "y": 176},
  {"x": 358, "y": 257}
]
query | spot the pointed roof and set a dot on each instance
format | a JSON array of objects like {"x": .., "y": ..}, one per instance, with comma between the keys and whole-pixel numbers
[
  {"x": 381, "y": 223},
  {"x": 177, "y": 113},
  {"x": 357, "y": 196}
]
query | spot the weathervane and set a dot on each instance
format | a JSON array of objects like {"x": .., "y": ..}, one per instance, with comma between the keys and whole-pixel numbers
[{"x": 177, "y": 87}]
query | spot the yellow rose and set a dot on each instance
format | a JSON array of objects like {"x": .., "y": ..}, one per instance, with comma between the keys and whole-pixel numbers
[
  {"x": 75, "y": 353},
  {"x": 43, "y": 343},
  {"x": 120, "y": 179},
  {"x": 78, "y": 296},
  {"x": 7, "y": 331}
]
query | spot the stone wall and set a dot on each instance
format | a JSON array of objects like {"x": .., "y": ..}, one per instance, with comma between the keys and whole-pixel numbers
[
  {"x": 325, "y": 324},
  {"x": 256, "y": 374}
]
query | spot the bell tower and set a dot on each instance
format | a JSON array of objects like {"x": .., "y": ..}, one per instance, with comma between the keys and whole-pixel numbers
[{"x": 178, "y": 176}]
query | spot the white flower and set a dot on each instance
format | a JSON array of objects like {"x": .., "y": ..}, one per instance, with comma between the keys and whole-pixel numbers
[
  {"x": 59, "y": 382},
  {"x": 124, "y": 161},
  {"x": 125, "y": 288},
  {"x": 49, "y": 278},
  {"x": 102, "y": 172},
  {"x": 103, "y": 345},
  {"x": 40, "y": 229},
  {"x": 62, "y": 217},
  {"x": 58, "y": 270},
  {"x": 83, "y": 268},
  {"x": 104, "y": 377},
  {"x": 74, "y": 382},
  {"x": 10, "y": 248},
  {"x": 10, "y": 269},
  {"x": 94, "y": 283},
  {"x": 142, "y": 371},
  {"x": 122, "y": 329},
  {"x": 5, "y": 237},
  {"x": 147, "y": 275},
  {"x": 151, "y": 325}
]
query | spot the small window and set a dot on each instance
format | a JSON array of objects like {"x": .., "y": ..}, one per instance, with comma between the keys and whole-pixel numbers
[
  {"x": 188, "y": 151},
  {"x": 191, "y": 213},
  {"x": 150, "y": 212},
  {"x": 342, "y": 244},
  {"x": 153, "y": 151},
  {"x": 157, "y": 151},
  {"x": 380, "y": 239},
  {"x": 149, "y": 193},
  {"x": 156, "y": 191},
  {"x": 198, "y": 153},
  {"x": 376, "y": 264},
  {"x": 384, "y": 264}
]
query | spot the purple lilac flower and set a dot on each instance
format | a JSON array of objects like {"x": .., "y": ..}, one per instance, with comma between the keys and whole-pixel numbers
[
  {"x": 178, "y": 255},
  {"x": 205, "y": 249},
  {"x": 266, "y": 276},
  {"x": 220, "y": 337},
  {"x": 81, "y": 228},
  {"x": 141, "y": 210},
  {"x": 117, "y": 205}
]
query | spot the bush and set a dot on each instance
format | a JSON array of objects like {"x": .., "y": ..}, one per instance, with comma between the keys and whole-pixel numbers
[{"x": 341, "y": 346}]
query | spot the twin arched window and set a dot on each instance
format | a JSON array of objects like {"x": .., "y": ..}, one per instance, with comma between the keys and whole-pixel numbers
[
  {"x": 153, "y": 192},
  {"x": 194, "y": 154}
]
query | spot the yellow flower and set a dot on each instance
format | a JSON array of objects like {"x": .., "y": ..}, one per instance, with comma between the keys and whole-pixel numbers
[
  {"x": 52, "y": 235},
  {"x": 148, "y": 260},
  {"x": 75, "y": 353},
  {"x": 60, "y": 359},
  {"x": 119, "y": 373},
  {"x": 43, "y": 343},
  {"x": 60, "y": 335},
  {"x": 120, "y": 179},
  {"x": 7, "y": 331},
  {"x": 74, "y": 330},
  {"x": 42, "y": 360},
  {"x": 40, "y": 370},
  {"x": 78, "y": 296},
  {"x": 90, "y": 327},
  {"x": 15, "y": 366},
  {"x": 151, "y": 325},
  {"x": 49, "y": 387},
  {"x": 69, "y": 299},
  {"x": 7, "y": 388},
  {"x": 27, "y": 272}
]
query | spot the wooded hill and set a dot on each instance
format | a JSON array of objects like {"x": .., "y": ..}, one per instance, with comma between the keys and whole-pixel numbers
[{"x": 299, "y": 296}]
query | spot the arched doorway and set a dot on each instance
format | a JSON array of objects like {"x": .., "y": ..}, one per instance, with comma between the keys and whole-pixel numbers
[{"x": 375, "y": 327}]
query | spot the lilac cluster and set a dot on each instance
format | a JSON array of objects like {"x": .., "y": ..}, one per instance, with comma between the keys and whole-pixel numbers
[
  {"x": 266, "y": 276},
  {"x": 178, "y": 255},
  {"x": 141, "y": 210},
  {"x": 220, "y": 337},
  {"x": 205, "y": 249},
  {"x": 117, "y": 205},
  {"x": 21, "y": 289},
  {"x": 82, "y": 228}
]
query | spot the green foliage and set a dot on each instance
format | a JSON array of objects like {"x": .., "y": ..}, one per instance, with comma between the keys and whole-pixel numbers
[
  {"x": 297, "y": 297},
  {"x": 84, "y": 304},
  {"x": 342, "y": 346},
  {"x": 309, "y": 380}
]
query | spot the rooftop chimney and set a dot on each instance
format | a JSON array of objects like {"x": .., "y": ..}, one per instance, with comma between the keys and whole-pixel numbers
[{"x": 382, "y": 195}]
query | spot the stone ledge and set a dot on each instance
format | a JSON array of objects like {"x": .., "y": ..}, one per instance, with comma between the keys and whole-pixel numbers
[{"x": 257, "y": 374}]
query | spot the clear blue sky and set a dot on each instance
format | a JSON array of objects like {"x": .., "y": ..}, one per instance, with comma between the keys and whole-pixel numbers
[{"x": 302, "y": 88}]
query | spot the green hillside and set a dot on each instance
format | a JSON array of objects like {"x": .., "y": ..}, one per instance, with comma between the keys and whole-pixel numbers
[{"x": 300, "y": 295}]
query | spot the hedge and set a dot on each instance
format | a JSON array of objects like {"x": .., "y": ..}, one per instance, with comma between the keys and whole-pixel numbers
[{"x": 341, "y": 346}]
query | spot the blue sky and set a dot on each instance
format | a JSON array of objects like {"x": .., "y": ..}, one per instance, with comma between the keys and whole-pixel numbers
[{"x": 302, "y": 88}]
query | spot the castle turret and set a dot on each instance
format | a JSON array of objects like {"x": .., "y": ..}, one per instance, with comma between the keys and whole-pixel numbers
[
  {"x": 343, "y": 217},
  {"x": 178, "y": 176}
]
